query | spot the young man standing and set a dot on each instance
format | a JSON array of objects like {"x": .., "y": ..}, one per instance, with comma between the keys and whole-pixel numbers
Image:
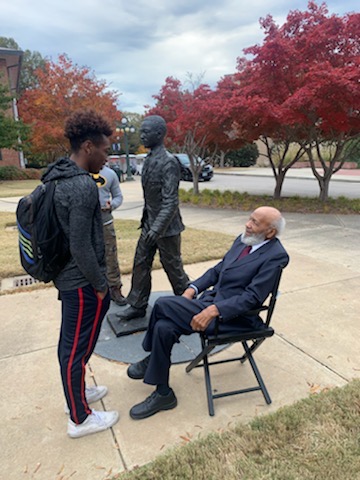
[{"x": 82, "y": 283}]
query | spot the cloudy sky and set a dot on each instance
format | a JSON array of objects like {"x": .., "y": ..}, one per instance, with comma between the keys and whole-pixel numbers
[{"x": 135, "y": 44}]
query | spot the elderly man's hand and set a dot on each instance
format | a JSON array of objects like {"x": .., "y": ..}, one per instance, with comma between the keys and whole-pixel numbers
[
  {"x": 189, "y": 293},
  {"x": 201, "y": 321}
]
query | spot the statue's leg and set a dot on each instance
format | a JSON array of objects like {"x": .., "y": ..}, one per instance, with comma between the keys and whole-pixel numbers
[
  {"x": 170, "y": 257},
  {"x": 141, "y": 277}
]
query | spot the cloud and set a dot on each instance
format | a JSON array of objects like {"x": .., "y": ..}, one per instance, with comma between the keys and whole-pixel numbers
[{"x": 135, "y": 45}]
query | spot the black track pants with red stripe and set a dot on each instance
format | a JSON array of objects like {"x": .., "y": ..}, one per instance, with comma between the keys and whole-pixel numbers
[{"x": 82, "y": 315}]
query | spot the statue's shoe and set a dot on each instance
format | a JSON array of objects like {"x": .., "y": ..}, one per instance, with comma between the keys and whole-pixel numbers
[{"x": 130, "y": 313}]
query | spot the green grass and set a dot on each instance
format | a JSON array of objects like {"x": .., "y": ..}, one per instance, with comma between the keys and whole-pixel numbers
[
  {"x": 209, "y": 245},
  {"x": 17, "y": 188},
  {"x": 315, "y": 439},
  {"x": 246, "y": 202}
]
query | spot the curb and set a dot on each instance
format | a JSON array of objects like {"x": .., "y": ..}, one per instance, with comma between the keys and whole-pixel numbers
[{"x": 293, "y": 177}]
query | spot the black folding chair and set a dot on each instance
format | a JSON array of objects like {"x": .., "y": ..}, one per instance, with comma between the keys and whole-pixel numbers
[{"x": 255, "y": 337}]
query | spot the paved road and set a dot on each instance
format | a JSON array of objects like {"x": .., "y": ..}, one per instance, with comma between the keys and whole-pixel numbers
[
  {"x": 255, "y": 181},
  {"x": 306, "y": 187}
]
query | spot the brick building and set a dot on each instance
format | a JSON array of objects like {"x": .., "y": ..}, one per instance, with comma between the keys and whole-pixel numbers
[{"x": 10, "y": 65}]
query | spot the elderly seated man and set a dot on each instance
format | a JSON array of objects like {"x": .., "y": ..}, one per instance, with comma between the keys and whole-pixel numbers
[{"x": 241, "y": 282}]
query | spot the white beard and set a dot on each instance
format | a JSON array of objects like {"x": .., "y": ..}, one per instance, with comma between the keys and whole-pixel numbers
[{"x": 252, "y": 240}]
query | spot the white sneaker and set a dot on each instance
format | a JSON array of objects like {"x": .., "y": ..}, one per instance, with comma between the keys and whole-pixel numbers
[
  {"x": 96, "y": 422},
  {"x": 92, "y": 394}
]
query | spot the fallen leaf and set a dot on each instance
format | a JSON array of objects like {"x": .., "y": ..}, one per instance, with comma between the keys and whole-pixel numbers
[
  {"x": 186, "y": 439},
  {"x": 315, "y": 389},
  {"x": 38, "y": 465}
]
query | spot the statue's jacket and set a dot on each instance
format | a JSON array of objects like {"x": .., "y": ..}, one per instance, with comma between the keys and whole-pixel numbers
[{"x": 160, "y": 181}]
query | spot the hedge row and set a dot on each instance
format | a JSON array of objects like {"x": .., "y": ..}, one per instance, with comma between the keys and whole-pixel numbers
[
  {"x": 10, "y": 172},
  {"x": 245, "y": 202}
]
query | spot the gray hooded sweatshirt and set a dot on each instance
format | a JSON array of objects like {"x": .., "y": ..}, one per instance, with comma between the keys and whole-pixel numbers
[{"x": 78, "y": 210}]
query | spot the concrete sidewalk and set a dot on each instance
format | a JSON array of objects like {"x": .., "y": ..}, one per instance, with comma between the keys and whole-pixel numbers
[{"x": 315, "y": 347}]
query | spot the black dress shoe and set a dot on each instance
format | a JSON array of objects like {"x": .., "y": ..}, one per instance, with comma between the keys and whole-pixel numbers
[
  {"x": 153, "y": 404},
  {"x": 137, "y": 370},
  {"x": 131, "y": 312}
]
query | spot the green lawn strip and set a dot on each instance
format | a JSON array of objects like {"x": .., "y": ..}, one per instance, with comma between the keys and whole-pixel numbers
[
  {"x": 197, "y": 246},
  {"x": 17, "y": 188},
  {"x": 246, "y": 202},
  {"x": 314, "y": 439}
]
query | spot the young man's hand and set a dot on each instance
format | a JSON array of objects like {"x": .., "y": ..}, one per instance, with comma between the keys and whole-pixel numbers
[{"x": 102, "y": 295}]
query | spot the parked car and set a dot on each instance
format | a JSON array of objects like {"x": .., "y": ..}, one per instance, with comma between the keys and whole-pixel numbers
[
  {"x": 205, "y": 174},
  {"x": 118, "y": 164}
]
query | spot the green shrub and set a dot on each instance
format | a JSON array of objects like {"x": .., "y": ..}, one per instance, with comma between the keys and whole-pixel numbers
[
  {"x": 245, "y": 157},
  {"x": 352, "y": 151},
  {"x": 245, "y": 202},
  {"x": 10, "y": 172}
]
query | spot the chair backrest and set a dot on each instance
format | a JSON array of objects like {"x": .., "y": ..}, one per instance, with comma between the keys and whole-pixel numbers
[{"x": 273, "y": 295}]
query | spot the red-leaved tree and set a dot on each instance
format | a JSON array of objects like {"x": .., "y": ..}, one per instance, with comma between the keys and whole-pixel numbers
[
  {"x": 63, "y": 87},
  {"x": 300, "y": 93},
  {"x": 192, "y": 121}
]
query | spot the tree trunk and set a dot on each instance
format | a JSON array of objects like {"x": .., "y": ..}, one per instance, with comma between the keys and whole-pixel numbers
[
  {"x": 196, "y": 190},
  {"x": 324, "y": 188},
  {"x": 279, "y": 179},
  {"x": 222, "y": 159}
]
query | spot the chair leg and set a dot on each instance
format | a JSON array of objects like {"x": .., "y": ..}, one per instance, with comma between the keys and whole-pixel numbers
[
  {"x": 256, "y": 344},
  {"x": 256, "y": 373},
  {"x": 205, "y": 350},
  {"x": 208, "y": 387}
]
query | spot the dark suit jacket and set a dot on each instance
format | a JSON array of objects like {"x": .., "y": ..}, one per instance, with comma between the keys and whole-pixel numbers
[
  {"x": 160, "y": 181},
  {"x": 240, "y": 285}
]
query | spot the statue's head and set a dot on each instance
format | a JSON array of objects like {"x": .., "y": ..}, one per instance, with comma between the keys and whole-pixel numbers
[{"x": 152, "y": 131}]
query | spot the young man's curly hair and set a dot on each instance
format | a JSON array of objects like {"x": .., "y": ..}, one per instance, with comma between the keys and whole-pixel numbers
[{"x": 86, "y": 125}]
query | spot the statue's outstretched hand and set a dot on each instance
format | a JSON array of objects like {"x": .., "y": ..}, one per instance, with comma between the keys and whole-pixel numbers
[{"x": 151, "y": 238}]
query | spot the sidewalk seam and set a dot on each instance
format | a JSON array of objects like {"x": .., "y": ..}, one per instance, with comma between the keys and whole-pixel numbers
[
  {"x": 115, "y": 440},
  {"x": 285, "y": 340},
  {"x": 27, "y": 353},
  {"x": 310, "y": 287}
]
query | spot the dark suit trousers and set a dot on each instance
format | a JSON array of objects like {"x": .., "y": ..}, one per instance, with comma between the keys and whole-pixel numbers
[
  {"x": 170, "y": 318},
  {"x": 170, "y": 258}
]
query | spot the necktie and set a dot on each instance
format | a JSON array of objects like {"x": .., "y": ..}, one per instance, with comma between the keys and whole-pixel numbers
[{"x": 245, "y": 252}]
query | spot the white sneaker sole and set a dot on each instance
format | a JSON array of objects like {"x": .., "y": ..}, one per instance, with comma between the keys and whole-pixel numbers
[{"x": 78, "y": 431}]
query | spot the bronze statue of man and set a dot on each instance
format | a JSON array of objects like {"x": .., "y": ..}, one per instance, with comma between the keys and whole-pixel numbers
[{"x": 161, "y": 223}]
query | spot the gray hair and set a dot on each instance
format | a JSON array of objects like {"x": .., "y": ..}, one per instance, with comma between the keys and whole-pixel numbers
[{"x": 279, "y": 225}]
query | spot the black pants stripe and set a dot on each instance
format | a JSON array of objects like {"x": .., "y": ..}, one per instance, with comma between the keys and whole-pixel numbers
[{"x": 82, "y": 315}]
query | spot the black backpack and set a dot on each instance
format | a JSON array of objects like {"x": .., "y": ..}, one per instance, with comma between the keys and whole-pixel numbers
[{"x": 44, "y": 250}]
